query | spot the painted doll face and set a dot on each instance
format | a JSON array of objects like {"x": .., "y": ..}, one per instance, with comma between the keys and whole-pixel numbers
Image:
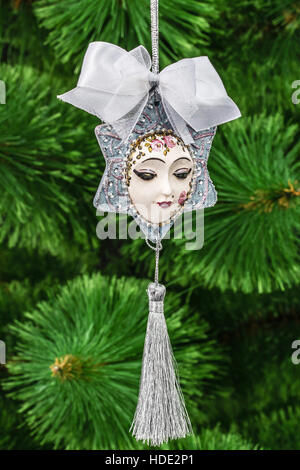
[{"x": 159, "y": 174}]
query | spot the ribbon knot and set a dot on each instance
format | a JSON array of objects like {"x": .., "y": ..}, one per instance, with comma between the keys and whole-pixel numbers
[
  {"x": 153, "y": 79},
  {"x": 115, "y": 84}
]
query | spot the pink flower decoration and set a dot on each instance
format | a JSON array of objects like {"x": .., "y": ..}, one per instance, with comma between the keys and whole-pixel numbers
[
  {"x": 157, "y": 145},
  {"x": 182, "y": 197},
  {"x": 169, "y": 141}
]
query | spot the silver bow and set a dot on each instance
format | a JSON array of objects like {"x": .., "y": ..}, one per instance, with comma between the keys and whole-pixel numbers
[{"x": 114, "y": 85}]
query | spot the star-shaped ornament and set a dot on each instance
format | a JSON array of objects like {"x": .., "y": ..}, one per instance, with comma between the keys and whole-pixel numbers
[{"x": 154, "y": 176}]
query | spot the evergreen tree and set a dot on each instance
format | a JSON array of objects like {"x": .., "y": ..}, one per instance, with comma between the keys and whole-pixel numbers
[
  {"x": 77, "y": 375},
  {"x": 71, "y": 310}
]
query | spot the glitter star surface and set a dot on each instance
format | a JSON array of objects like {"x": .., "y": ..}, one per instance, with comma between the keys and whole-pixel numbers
[{"x": 112, "y": 194}]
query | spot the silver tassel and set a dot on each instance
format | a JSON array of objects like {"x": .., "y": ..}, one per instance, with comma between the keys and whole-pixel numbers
[{"x": 161, "y": 413}]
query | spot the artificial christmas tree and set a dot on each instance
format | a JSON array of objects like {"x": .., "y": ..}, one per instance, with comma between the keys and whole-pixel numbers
[{"x": 246, "y": 277}]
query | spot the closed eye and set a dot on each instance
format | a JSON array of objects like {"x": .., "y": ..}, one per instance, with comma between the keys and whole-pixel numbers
[
  {"x": 182, "y": 173},
  {"x": 145, "y": 175}
]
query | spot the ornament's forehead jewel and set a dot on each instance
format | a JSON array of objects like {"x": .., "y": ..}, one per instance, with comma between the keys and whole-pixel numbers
[
  {"x": 114, "y": 85},
  {"x": 160, "y": 142}
]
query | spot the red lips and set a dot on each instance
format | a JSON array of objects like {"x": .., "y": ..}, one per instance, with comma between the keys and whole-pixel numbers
[{"x": 164, "y": 204}]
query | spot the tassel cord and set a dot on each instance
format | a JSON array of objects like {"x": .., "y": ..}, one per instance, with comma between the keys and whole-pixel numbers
[{"x": 158, "y": 246}]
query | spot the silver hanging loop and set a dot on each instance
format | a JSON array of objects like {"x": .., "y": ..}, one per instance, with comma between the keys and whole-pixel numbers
[
  {"x": 154, "y": 40},
  {"x": 158, "y": 246},
  {"x": 154, "y": 35}
]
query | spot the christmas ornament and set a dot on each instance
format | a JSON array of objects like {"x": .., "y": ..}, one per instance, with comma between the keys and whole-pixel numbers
[{"x": 156, "y": 138}]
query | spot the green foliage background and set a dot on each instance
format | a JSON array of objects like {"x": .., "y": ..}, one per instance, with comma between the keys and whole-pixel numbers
[{"x": 232, "y": 308}]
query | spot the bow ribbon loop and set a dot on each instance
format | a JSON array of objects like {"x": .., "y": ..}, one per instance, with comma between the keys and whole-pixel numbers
[{"x": 115, "y": 84}]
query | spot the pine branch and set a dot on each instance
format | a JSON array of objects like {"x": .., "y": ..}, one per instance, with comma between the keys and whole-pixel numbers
[
  {"x": 21, "y": 40},
  {"x": 262, "y": 31},
  {"x": 73, "y": 24},
  {"x": 277, "y": 430},
  {"x": 213, "y": 439},
  {"x": 14, "y": 433},
  {"x": 258, "y": 89},
  {"x": 78, "y": 362},
  {"x": 264, "y": 404},
  {"x": 48, "y": 166}
]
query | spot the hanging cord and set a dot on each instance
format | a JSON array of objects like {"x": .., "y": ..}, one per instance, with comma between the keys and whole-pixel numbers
[
  {"x": 155, "y": 69},
  {"x": 158, "y": 246},
  {"x": 154, "y": 40},
  {"x": 154, "y": 35},
  {"x": 160, "y": 414}
]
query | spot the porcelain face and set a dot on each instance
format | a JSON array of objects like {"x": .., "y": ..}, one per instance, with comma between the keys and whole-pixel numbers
[{"x": 159, "y": 174}]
